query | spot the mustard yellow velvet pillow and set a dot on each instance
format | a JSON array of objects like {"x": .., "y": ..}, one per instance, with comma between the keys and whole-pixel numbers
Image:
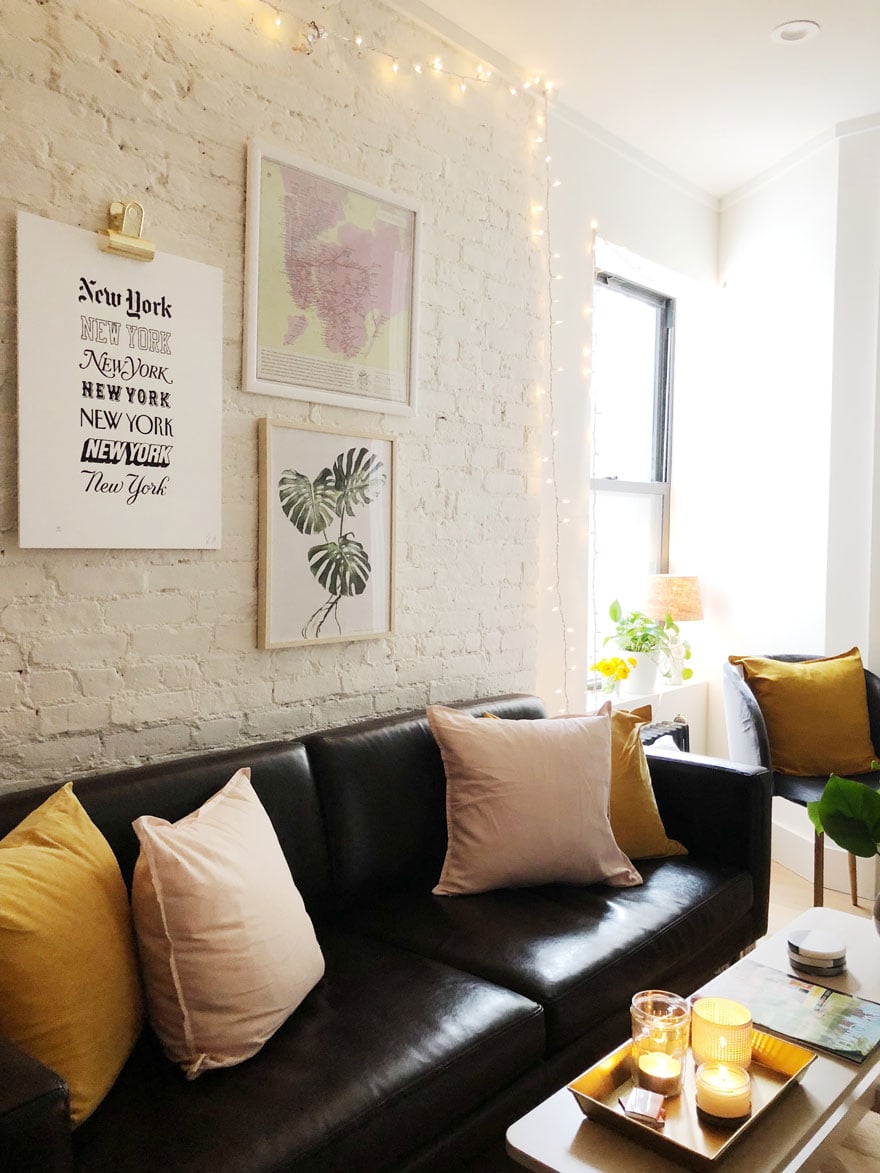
[
  {"x": 816, "y": 713},
  {"x": 70, "y": 994},
  {"x": 635, "y": 819}
]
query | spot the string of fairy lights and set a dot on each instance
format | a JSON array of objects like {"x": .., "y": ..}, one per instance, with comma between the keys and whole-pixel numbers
[{"x": 305, "y": 36}]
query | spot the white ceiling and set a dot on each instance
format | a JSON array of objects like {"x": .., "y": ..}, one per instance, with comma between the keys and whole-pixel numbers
[{"x": 699, "y": 85}]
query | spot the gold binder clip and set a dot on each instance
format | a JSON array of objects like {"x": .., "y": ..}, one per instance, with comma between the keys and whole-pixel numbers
[{"x": 122, "y": 236}]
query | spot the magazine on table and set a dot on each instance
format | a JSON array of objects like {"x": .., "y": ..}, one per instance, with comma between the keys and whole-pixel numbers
[{"x": 838, "y": 1023}]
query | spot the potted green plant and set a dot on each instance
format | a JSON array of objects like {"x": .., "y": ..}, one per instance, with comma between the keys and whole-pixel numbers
[
  {"x": 654, "y": 644},
  {"x": 849, "y": 813}
]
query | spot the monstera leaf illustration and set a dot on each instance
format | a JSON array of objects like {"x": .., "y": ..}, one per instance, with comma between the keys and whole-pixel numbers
[
  {"x": 342, "y": 567},
  {"x": 309, "y": 505},
  {"x": 358, "y": 479}
]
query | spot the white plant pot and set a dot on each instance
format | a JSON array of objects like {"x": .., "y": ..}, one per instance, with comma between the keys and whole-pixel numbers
[{"x": 643, "y": 678}]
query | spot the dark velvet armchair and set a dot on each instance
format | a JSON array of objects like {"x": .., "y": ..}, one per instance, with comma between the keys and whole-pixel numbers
[{"x": 748, "y": 743}]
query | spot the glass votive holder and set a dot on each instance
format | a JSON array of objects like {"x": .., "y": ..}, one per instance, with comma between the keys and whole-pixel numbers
[
  {"x": 724, "y": 1092},
  {"x": 721, "y": 1031},
  {"x": 660, "y": 1030}
]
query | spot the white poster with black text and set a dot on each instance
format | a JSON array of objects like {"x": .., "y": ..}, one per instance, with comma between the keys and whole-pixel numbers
[{"x": 119, "y": 395}]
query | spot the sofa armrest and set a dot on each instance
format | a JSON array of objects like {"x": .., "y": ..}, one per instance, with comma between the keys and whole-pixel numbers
[
  {"x": 720, "y": 810},
  {"x": 34, "y": 1115}
]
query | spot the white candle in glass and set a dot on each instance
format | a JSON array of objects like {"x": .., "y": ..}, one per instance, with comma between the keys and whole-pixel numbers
[
  {"x": 724, "y": 1090},
  {"x": 660, "y": 1073}
]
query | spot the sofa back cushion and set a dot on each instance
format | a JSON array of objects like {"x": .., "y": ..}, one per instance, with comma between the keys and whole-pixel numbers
[
  {"x": 383, "y": 793},
  {"x": 170, "y": 790}
]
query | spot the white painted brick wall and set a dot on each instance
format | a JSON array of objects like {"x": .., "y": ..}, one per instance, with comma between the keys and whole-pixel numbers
[{"x": 111, "y": 657}]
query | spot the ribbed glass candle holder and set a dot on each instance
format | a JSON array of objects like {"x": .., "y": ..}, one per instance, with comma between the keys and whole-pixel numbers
[{"x": 721, "y": 1032}]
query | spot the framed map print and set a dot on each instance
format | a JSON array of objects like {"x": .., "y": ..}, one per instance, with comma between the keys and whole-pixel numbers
[
  {"x": 331, "y": 297},
  {"x": 326, "y": 535}
]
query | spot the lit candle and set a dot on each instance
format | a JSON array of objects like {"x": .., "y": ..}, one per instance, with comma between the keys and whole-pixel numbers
[
  {"x": 660, "y": 1073},
  {"x": 724, "y": 1090},
  {"x": 721, "y": 1032}
]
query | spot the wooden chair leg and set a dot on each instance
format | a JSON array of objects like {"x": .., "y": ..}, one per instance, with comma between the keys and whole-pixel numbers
[
  {"x": 853, "y": 880},
  {"x": 818, "y": 870}
]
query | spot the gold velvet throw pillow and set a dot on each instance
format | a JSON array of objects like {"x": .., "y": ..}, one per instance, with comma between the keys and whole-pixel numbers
[
  {"x": 635, "y": 819},
  {"x": 70, "y": 994},
  {"x": 816, "y": 713}
]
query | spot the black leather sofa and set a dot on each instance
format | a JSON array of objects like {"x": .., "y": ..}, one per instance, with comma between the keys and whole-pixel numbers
[{"x": 439, "y": 1019}]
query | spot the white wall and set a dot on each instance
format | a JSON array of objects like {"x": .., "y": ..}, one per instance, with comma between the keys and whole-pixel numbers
[
  {"x": 115, "y": 656},
  {"x": 800, "y": 260},
  {"x": 647, "y": 214},
  {"x": 853, "y": 602},
  {"x": 760, "y": 469}
]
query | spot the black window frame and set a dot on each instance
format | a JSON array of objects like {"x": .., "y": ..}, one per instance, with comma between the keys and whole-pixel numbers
[{"x": 664, "y": 356}]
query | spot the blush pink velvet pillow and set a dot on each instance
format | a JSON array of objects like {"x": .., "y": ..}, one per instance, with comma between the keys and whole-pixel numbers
[
  {"x": 227, "y": 948},
  {"x": 527, "y": 803}
]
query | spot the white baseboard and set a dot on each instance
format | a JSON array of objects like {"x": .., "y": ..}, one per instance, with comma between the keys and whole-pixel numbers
[{"x": 795, "y": 852}]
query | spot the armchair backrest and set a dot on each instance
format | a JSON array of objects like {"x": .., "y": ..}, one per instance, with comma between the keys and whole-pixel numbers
[{"x": 747, "y": 740}]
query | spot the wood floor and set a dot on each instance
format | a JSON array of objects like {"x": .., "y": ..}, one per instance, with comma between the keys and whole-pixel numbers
[{"x": 790, "y": 895}]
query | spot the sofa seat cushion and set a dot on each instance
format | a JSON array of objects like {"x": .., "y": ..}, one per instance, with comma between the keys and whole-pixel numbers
[
  {"x": 581, "y": 952},
  {"x": 388, "y": 1050}
]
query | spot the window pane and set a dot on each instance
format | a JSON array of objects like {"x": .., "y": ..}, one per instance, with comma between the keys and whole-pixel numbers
[
  {"x": 623, "y": 385},
  {"x": 625, "y": 550}
]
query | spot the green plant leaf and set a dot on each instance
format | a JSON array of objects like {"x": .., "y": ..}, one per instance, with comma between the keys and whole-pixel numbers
[
  {"x": 309, "y": 505},
  {"x": 849, "y": 813},
  {"x": 342, "y": 567},
  {"x": 615, "y": 611},
  {"x": 357, "y": 478},
  {"x": 687, "y": 673}
]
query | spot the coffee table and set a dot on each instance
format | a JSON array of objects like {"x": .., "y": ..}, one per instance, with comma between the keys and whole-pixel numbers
[{"x": 797, "y": 1133}]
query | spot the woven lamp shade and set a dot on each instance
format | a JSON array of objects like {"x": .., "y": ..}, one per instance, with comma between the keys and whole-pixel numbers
[{"x": 677, "y": 595}]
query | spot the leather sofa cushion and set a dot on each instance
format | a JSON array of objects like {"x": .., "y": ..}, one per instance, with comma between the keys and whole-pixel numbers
[
  {"x": 383, "y": 793},
  {"x": 581, "y": 952},
  {"x": 387, "y": 1049},
  {"x": 172, "y": 789}
]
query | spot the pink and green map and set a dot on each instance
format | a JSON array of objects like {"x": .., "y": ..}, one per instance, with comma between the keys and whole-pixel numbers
[{"x": 335, "y": 284}]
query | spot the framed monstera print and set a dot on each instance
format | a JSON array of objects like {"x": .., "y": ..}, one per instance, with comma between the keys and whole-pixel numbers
[{"x": 326, "y": 535}]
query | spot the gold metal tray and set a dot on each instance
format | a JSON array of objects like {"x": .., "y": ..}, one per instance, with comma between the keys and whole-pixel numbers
[{"x": 776, "y": 1065}]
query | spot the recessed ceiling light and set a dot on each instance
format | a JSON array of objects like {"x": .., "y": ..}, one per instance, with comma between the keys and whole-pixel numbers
[{"x": 794, "y": 30}]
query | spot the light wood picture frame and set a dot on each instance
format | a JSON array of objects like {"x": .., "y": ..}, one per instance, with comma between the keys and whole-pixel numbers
[
  {"x": 331, "y": 289},
  {"x": 326, "y": 557}
]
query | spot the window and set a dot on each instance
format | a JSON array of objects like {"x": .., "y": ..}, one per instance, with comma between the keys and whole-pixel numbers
[{"x": 631, "y": 412}]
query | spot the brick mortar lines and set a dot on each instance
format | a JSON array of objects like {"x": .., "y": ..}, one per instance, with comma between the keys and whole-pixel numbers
[{"x": 112, "y": 657}]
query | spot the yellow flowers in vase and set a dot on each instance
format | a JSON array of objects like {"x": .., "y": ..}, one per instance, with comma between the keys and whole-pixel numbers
[{"x": 613, "y": 670}]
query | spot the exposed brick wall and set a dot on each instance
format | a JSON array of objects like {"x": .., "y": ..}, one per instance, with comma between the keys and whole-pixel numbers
[{"x": 109, "y": 657}]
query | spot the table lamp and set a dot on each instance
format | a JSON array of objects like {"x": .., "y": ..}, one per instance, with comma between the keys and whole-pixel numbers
[{"x": 678, "y": 596}]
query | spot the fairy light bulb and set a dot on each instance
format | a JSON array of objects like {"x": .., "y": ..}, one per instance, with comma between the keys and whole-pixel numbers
[
  {"x": 513, "y": 91},
  {"x": 359, "y": 40},
  {"x": 438, "y": 64},
  {"x": 463, "y": 87},
  {"x": 278, "y": 21},
  {"x": 395, "y": 67},
  {"x": 417, "y": 67}
]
